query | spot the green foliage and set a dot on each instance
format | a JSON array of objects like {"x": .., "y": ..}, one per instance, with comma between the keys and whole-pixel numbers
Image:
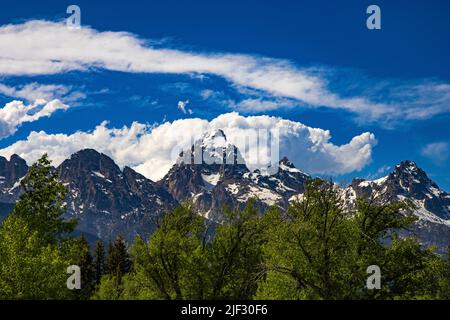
[
  {"x": 319, "y": 251},
  {"x": 119, "y": 262},
  {"x": 34, "y": 254},
  {"x": 183, "y": 260},
  {"x": 309, "y": 248},
  {"x": 235, "y": 254},
  {"x": 118, "y": 265},
  {"x": 110, "y": 288},
  {"x": 409, "y": 272},
  {"x": 85, "y": 261},
  {"x": 42, "y": 202},
  {"x": 166, "y": 266},
  {"x": 29, "y": 269},
  {"x": 316, "y": 249}
]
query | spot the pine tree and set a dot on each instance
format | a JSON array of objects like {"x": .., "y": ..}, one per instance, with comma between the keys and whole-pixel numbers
[
  {"x": 86, "y": 265},
  {"x": 119, "y": 262},
  {"x": 99, "y": 261}
]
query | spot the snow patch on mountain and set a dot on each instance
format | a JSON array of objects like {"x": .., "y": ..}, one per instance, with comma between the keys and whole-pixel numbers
[
  {"x": 267, "y": 196},
  {"x": 210, "y": 180}
]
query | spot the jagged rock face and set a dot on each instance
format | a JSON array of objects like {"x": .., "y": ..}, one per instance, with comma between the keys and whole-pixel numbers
[
  {"x": 412, "y": 182},
  {"x": 213, "y": 174},
  {"x": 408, "y": 181},
  {"x": 287, "y": 182},
  {"x": 202, "y": 173},
  {"x": 10, "y": 174},
  {"x": 107, "y": 201}
]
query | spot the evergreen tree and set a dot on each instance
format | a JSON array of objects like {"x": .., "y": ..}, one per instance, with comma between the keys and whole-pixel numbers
[
  {"x": 119, "y": 262},
  {"x": 86, "y": 265},
  {"x": 448, "y": 272},
  {"x": 99, "y": 261}
]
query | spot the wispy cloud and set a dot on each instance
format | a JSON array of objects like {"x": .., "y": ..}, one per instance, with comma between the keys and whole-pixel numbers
[
  {"x": 36, "y": 91},
  {"x": 43, "y": 47},
  {"x": 182, "y": 106},
  {"x": 438, "y": 152},
  {"x": 380, "y": 172}
]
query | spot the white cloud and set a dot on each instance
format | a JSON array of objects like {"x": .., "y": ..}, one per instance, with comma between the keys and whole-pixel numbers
[
  {"x": 35, "y": 91},
  {"x": 207, "y": 93},
  {"x": 182, "y": 106},
  {"x": 42, "y": 47},
  {"x": 15, "y": 113},
  {"x": 261, "y": 105},
  {"x": 153, "y": 150},
  {"x": 438, "y": 152}
]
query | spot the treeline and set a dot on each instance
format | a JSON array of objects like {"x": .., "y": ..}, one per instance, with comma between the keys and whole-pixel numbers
[{"x": 314, "y": 250}]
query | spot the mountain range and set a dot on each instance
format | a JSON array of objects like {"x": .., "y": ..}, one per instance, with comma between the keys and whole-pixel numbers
[{"x": 108, "y": 200}]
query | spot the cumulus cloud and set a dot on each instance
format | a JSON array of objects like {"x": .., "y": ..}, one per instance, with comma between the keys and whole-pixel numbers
[
  {"x": 43, "y": 47},
  {"x": 438, "y": 152},
  {"x": 15, "y": 113},
  {"x": 152, "y": 150}
]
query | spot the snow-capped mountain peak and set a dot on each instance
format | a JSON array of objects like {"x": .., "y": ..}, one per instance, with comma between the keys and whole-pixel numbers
[
  {"x": 212, "y": 149},
  {"x": 407, "y": 182},
  {"x": 108, "y": 200},
  {"x": 214, "y": 139}
]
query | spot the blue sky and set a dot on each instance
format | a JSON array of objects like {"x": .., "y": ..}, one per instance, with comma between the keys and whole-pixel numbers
[{"x": 404, "y": 66}]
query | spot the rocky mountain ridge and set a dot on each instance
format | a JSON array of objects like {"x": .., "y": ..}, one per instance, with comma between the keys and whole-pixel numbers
[{"x": 107, "y": 200}]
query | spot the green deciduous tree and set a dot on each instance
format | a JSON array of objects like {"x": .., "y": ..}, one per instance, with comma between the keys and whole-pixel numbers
[
  {"x": 184, "y": 260},
  {"x": 34, "y": 253},
  {"x": 170, "y": 265},
  {"x": 235, "y": 254},
  {"x": 29, "y": 269},
  {"x": 309, "y": 248},
  {"x": 318, "y": 250},
  {"x": 41, "y": 204}
]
